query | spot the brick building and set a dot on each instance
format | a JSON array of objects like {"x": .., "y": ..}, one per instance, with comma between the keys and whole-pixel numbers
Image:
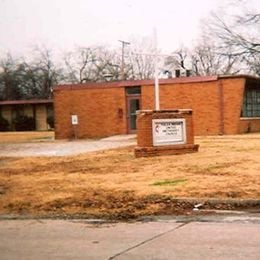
[
  {"x": 38, "y": 109},
  {"x": 220, "y": 104}
]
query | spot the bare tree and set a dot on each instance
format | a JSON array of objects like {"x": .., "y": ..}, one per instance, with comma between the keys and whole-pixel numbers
[
  {"x": 46, "y": 72},
  {"x": 207, "y": 60},
  {"x": 141, "y": 66},
  {"x": 92, "y": 64},
  {"x": 239, "y": 35},
  {"x": 9, "y": 78},
  {"x": 24, "y": 79},
  {"x": 141, "y": 59},
  {"x": 79, "y": 65},
  {"x": 107, "y": 65}
]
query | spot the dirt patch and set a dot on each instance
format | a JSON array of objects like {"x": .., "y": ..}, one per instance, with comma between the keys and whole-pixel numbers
[
  {"x": 115, "y": 184},
  {"x": 102, "y": 204}
]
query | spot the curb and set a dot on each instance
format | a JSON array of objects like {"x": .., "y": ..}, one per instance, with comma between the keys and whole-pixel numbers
[
  {"x": 211, "y": 202},
  {"x": 171, "y": 207}
]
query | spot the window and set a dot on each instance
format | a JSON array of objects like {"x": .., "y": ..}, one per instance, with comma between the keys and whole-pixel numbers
[
  {"x": 133, "y": 90},
  {"x": 50, "y": 112},
  {"x": 251, "y": 104},
  {"x": 17, "y": 111}
]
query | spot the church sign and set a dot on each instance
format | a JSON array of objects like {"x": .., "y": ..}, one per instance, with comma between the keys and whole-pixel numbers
[{"x": 169, "y": 131}]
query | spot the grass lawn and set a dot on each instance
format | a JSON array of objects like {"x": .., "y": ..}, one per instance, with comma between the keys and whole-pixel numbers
[
  {"x": 21, "y": 137},
  {"x": 114, "y": 182}
]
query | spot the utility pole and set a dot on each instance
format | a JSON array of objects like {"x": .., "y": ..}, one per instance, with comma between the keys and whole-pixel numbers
[{"x": 122, "y": 73}]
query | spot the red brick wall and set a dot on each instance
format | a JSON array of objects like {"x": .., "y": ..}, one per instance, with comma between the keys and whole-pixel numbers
[
  {"x": 204, "y": 99},
  {"x": 249, "y": 125},
  {"x": 98, "y": 112},
  {"x": 233, "y": 91},
  {"x": 98, "y": 108}
]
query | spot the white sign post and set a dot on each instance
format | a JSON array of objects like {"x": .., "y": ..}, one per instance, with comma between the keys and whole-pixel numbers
[
  {"x": 74, "y": 122},
  {"x": 169, "y": 131}
]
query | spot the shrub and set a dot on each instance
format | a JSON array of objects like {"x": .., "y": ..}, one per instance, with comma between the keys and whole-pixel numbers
[
  {"x": 4, "y": 124},
  {"x": 24, "y": 123}
]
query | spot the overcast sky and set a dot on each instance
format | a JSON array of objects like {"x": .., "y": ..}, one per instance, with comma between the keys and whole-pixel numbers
[{"x": 63, "y": 24}]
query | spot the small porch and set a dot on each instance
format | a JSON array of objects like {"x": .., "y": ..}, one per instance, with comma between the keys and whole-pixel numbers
[{"x": 26, "y": 115}]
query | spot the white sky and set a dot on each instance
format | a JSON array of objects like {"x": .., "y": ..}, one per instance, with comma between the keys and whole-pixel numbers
[{"x": 64, "y": 24}]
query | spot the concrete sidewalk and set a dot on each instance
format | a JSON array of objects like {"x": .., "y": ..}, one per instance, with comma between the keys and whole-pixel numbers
[
  {"x": 232, "y": 237},
  {"x": 63, "y": 148}
]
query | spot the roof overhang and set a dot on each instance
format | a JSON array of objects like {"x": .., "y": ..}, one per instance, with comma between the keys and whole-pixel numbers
[
  {"x": 132, "y": 83},
  {"x": 150, "y": 82},
  {"x": 26, "y": 102}
]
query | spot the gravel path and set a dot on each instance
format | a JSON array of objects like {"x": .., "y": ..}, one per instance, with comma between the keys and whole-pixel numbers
[{"x": 63, "y": 148}]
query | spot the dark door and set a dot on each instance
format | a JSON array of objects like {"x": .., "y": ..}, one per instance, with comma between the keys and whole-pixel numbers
[{"x": 133, "y": 104}]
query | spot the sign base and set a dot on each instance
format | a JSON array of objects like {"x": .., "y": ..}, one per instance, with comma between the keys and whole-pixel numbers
[{"x": 162, "y": 150}]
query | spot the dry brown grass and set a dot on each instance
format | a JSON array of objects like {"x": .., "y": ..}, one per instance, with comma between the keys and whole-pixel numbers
[
  {"x": 106, "y": 182},
  {"x": 21, "y": 137}
]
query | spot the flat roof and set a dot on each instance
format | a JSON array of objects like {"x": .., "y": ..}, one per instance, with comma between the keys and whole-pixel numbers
[
  {"x": 239, "y": 76},
  {"x": 132, "y": 83},
  {"x": 26, "y": 102},
  {"x": 147, "y": 82}
]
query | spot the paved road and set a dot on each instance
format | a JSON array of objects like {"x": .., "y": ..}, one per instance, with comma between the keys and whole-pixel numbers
[
  {"x": 228, "y": 237},
  {"x": 63, "y": 148}
]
